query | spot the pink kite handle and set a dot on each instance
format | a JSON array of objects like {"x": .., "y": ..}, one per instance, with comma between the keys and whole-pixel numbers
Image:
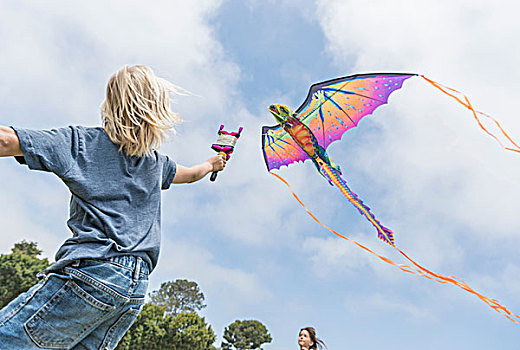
[{"x": 224, "y": 150}]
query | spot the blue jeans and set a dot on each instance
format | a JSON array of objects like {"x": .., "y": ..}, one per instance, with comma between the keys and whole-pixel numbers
[{"x": 90, "y": 305}]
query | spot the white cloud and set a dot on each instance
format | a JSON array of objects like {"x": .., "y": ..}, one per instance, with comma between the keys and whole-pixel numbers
[
  {"x": 232, "y": 286},
  {"x": 330, "y": 255},
  {"x": 385, "y": 304},
  {"x": 60, "y": 54},
  {"x": 331, "y": 258}
]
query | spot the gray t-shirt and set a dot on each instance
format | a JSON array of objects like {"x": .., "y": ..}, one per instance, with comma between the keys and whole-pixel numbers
[{"x": 115, "y": 205}]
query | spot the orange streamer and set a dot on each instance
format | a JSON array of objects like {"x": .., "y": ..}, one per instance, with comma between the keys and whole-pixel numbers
[
  {"x": 417, "y": 269},
  {"x": 451, "y": 92}
]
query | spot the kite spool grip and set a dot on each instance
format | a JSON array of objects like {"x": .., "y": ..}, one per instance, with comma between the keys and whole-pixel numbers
[{"x": 225, "y": 145}]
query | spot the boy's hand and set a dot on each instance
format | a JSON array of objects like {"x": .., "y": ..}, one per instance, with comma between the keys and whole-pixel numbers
[
  {"x": 218, "y": 162},
  {"x": 197, "y": 172}
]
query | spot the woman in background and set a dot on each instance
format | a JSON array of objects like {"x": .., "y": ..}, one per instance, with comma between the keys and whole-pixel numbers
[{"x": 307, "y": 340}]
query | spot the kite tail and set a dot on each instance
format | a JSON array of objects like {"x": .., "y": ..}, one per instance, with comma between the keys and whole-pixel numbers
[
  {"x": 463, "y": 100},
  {"x": 334, "y": 177},
  {"x": 417, "y": 269}
]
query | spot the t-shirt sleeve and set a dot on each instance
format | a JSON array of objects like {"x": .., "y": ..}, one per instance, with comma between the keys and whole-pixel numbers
[
  {"x": 168, "y": 171},
  {"x": 48, "y": 150}
]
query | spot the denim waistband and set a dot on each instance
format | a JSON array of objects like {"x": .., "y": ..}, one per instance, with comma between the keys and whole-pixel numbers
[{"x": 134, "y": 263}]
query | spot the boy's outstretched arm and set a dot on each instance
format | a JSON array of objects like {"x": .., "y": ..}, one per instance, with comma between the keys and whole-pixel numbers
[
  {"x": 197, "y": 172},
  {"x": 9, "y": 143}
]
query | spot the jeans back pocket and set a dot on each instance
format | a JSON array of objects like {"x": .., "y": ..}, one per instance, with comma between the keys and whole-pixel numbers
[{"x": 66, "y": 317}]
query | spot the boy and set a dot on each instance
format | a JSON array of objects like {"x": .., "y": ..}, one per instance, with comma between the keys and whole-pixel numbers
[{"x": 94, "y": 291}]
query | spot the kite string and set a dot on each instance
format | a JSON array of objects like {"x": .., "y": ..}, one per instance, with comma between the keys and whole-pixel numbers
[
  {"x": 451, "y": 92},
  {"x": 418, "y": 270}
]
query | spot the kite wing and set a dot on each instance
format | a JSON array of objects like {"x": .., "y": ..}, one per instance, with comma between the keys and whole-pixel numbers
[
  {"x": 280, "y": 148},
  {"x": 335, "y": 106}
]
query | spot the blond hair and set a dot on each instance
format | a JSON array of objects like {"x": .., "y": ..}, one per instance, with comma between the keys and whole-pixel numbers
[{"x": 136, "y": 112}]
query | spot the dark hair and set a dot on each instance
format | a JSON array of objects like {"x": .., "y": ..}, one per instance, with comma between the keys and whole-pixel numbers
[{"x": 318, "y": 343}]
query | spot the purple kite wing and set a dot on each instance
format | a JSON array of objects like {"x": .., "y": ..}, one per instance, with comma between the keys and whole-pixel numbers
[
  {"x": 280, "y": 148},
  {"x": 335, "y": 106}
]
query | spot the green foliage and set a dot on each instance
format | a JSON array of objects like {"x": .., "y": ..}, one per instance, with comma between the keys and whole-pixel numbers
[
  {"x": 18, "y": 270},
  {"x": 152, "y": 331},
  {"x": 179, "y": 296},
  {"x": 188, "y": 331},
  {"x": 168, "y": 321},
  {"x": 245, "y": 335},
  {"x": 147, "y": 330}
]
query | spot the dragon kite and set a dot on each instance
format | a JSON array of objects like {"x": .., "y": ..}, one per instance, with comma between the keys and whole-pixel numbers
[{"x": 333, "y": 107}]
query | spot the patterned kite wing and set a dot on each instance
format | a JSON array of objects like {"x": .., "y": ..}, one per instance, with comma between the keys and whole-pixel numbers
[
  {"x": 334, "y": 106},
  {"x": 280, "y": 148}
]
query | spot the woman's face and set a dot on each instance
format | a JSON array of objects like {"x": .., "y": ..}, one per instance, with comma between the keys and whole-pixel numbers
[{"x": 304, "y": 340}]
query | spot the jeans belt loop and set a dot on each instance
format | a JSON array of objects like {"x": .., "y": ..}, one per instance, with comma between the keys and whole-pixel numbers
[{"x": 137, "y": 269}]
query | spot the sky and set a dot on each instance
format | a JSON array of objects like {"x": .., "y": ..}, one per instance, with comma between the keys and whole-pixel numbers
[{"x": 447, "y": 190}]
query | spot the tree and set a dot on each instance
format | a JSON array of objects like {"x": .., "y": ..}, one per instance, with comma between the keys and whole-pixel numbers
[
  {"x": 188, "y": 331},
  {"x": 147, "y": 330},
  {"x": 245, "y": 335},
  {"x": 179, "y": 296},
  {"x": 153, "y": 331},
  {"x": 18, "y": 270},
  {"x": 168, "y": 321}
]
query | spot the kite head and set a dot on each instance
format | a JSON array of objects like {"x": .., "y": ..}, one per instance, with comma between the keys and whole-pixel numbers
[{"x": 281, "y": 113}]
